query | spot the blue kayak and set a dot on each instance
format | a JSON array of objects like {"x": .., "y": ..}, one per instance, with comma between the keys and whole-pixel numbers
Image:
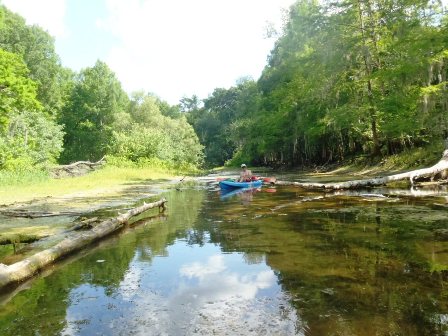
[{"x": 229, "y": 184}]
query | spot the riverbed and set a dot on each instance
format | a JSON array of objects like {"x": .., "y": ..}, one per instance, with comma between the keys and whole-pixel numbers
[{"x": 270, "y": 261}]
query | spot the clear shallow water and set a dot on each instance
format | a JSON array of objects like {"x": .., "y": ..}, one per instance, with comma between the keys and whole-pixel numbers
[{"x": 275, "y": 262}]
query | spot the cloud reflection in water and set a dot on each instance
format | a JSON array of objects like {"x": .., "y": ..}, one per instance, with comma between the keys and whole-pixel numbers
[{"x": 211, "y": 299}]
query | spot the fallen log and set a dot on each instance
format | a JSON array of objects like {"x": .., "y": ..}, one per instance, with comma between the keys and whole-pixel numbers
[
  {"x": 87, "y": 163},
  {"x": 26, "y": 268},
  {"x": 440, "y": 168},
  {"x": 76, "y": 169},
  {"x": 6, "y": 296}
]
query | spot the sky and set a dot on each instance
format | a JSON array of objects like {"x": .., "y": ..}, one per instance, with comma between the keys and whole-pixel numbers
[{"x": 173, "y": 48}]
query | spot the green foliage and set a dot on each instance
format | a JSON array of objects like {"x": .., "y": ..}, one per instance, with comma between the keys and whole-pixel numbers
[
  {"x": 346, "y": 78},
  {"x": 36, "y": 47},
  {"x": 97, "y": 116},
  {"x": 96, "y": 101},
  {"x": 32, "y": 138},
  {"x": 220, "y": 123},
  {"x": 150, "y": 135},
  {"x": 17, "y": 91},
  {"x": 28, "y": 136}
]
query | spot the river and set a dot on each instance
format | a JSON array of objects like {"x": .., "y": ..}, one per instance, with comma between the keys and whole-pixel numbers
[{"x": 275, "y": 261}]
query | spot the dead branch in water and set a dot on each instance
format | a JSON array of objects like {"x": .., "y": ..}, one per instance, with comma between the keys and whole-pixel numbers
[{"x": 26, "y": 268}]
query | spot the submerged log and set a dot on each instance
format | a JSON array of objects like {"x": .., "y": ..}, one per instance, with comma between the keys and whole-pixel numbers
[
  {"x": 439, "y": 169},
  {"x": 26, "y": 268}
]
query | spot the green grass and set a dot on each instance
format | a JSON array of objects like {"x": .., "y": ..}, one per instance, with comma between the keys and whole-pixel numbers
[
  {"x": 22, "y": 177},
  {"x": 414, "y": 158},
  {"x": 410, "y": 159},
  {"x": 27, "y": 185}
]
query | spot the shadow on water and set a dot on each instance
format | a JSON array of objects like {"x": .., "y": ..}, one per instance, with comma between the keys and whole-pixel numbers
[{"x": 270, "y": 261}]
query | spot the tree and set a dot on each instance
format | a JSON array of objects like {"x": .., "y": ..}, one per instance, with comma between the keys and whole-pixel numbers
[
  {"x": 17, "y": 91},
  {"x": 96, "y": 101},
  {"x": 216, "y": 122},
  {"x": 36, "y": 47},
  {"x": 28, "y": 135},
  {"x": 154, "y": 137},
  {"x": 352, "y": 77}
]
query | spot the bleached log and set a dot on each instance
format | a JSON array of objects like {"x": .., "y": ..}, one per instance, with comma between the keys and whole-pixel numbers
[
  {"x": 87, "y": 163},
  {"x": 412, "y": 176},
  {"x": 76, "y": 168},
  {"x": 26, "y": 268}
]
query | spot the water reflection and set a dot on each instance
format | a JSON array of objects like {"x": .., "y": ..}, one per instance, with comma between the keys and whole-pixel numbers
[
  {"x": 288, "y": 263},
  {"x": 204, "y": 295},
  {"x": 245, "y": 195}
]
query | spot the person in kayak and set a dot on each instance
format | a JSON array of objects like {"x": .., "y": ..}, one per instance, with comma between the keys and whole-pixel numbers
[{"x": 245, "y": 174}]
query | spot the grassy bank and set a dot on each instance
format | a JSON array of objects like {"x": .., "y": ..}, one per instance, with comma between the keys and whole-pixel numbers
[
  {"x": 410, "y": 159},
  {"x": 28, "y": 185}
]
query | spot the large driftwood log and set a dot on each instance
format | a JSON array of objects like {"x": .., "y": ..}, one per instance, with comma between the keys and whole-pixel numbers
[
  {"x": 76, "y": 168},
  {"x": 26, "y": 268},
  {"x": 440, "y": 167},
  {"x": 87, "y": 163}
]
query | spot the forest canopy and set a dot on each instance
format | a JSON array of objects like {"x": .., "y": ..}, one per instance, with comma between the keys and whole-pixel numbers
[
  {"x": 50, "y": 114},
  {"x": 345, "y": 78}
]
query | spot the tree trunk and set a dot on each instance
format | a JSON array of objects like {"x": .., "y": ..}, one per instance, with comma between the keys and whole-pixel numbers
[
  {"x": 26, "y": 268},
  {"x": 440, "y": 168},
  {"x": 368, "y": 70}
]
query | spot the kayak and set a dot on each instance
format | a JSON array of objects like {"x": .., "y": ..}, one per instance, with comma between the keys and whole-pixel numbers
[{"x": 229, "y": 184}]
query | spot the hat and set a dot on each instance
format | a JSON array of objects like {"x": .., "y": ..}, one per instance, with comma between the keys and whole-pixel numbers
[{"x": 243, "y": 165}]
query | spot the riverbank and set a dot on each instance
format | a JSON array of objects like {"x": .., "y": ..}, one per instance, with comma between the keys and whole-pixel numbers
[
  {"x": 107, "y": 181},
  {"x": 411, "y": 159},
  {"x": 46, "y": 208}
]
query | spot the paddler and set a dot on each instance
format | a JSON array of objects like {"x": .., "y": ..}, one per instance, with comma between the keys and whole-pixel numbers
[{"x": 245, "y": 174}]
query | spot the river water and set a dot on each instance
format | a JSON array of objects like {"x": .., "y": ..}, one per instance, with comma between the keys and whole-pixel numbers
[{"x": 277, "y": 261}]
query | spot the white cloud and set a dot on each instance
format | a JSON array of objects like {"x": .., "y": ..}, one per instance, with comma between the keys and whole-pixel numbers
[
  {"x": 172, "y": 47},
  {"x": 178, "y": 47},
  {"x": 48, "y": 14}
]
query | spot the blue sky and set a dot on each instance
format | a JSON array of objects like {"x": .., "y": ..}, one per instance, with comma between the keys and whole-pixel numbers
[
  {"x": 173, "y": 48},
  {"x": 83, "y": 43}
]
